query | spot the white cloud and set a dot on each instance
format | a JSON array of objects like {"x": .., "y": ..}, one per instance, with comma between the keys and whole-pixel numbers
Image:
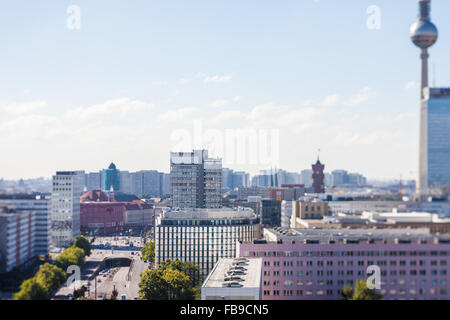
[
  {"x": 219, "y": 103},
  {"x": 217, "y": 79},
  {"x": 330, "y": 101},
  {"x": 227, "y": 115},
  {"x": 178, "y": 114},
  {"x": 122, "y": 107},
  {"x": 359, "y": 98},
  {"x": 16, "y": 108}
]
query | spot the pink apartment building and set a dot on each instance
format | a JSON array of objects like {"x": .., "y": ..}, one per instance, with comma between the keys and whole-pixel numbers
[{"x": 316, "y": 264}]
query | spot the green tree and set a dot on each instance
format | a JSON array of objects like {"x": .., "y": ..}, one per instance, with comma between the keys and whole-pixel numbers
[
  {"x": 152, "y": 285},
  {"x": 83, "y": 243},
  {"x": 32, "y": 289},
  {"x": 70, "y": 256},
  {"x": 360, "y": 292},
  {"x": 148, "y": 252},
  {"x": 51, "y": 277},
  {"x": 179, "y": 285},
  {"x": 188, "y": 268}
]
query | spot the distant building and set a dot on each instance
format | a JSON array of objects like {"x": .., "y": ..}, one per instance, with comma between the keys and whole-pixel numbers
[
  {"x": 270, "y": 213},
  {"x": 139, "y": 214},
  {"x": 342, "y": 177},
  {"x": 94, "y": 181},
  {"x": 288, "y": 192},
  {"x": 318, "y": 177},
  {"x": 306, "y": 210},
  {"x": 234, "y": 279},
  {"x": 203, "y": 236},
  {"x": 102, "y": 218},
  {"x": 65, "y": 207},
  {"x": 106, "y": 213},
  {"x": 234, "y": 179},
  {"x": 17, "y": 238},
  {"x": 286, "y": 213},
  {"x": 126, "y": 182},
  {"x": 39, "y": 205},
  {"x": 244, "y": 193},
  {"x": 196, "y": 180},
  {"x": 306, "y": 178},
  {"x": 111, "y": 178}
]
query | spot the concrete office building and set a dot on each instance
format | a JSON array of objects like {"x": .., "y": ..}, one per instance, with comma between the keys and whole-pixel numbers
[
  {"x": 17, "y": 238},
  {"x": 307, "y": 209},
  {"x": 245, "y": 193},
  {"x": 39, "y": 205},
  {"x": 203, "y": 236},
  {"x": 67, "y": 187},
  {"x": 234, "y": 279},
  {"x": 196, "y": 180},
  {"x": 270, "y": 213},
  {"x": 316, "y": 264},
  {"x": 286, "y": 213},
  {"x": 288, "y": 192}
]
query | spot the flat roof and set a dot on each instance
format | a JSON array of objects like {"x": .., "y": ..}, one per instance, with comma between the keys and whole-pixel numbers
[
  {"x": 250, "y": 279},
  {"x": 208, "y": 214},
  {"x": 340, "y": 235}
]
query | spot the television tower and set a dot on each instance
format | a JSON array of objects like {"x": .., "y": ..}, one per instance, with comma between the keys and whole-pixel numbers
[{"x": 424, "y": 34}]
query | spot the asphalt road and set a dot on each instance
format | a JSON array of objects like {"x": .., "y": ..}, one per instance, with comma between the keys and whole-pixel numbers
[{"x": 119, "y": 279}]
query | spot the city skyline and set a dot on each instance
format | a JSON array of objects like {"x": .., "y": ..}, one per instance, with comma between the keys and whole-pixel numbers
[{"x": 367, "y": 122}]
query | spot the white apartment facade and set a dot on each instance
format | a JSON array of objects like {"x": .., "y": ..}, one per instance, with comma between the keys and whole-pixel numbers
[
  {"x": 65, "y": 213},
  {"x": 17, "y": 238}
]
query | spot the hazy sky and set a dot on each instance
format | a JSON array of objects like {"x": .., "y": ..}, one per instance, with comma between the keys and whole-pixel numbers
[{"x": 135, "y": 77}]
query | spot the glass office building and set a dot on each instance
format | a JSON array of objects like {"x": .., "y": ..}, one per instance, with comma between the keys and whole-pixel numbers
[
  {"x": 435, "y": 140},
  {"x": 111, "y": 178}
]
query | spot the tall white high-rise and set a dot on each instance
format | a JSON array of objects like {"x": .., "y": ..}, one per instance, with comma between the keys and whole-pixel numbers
[{"x": 67, "y": 188}]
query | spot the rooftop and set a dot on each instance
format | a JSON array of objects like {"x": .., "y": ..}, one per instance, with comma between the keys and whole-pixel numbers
[
  {"x": 208, "y": 214},
  {"x": 368, "y": 235},
  {"x": 235, "y": 273}
]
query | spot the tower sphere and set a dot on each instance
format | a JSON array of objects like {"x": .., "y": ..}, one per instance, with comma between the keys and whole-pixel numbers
[{"x": 424, "y": 34}]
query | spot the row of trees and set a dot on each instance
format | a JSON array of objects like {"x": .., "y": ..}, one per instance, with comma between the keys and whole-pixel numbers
[
  {"x": 172, "y": 280},
  {"x": 148, "y": 252},
  {"x": 51, "y": 277}
]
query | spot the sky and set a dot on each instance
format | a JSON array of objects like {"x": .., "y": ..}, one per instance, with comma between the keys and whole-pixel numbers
[{"x": 260, "y": 83}]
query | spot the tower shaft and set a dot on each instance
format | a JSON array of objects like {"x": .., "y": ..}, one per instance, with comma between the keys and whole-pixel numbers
[{"x": 423, "y": 72}]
